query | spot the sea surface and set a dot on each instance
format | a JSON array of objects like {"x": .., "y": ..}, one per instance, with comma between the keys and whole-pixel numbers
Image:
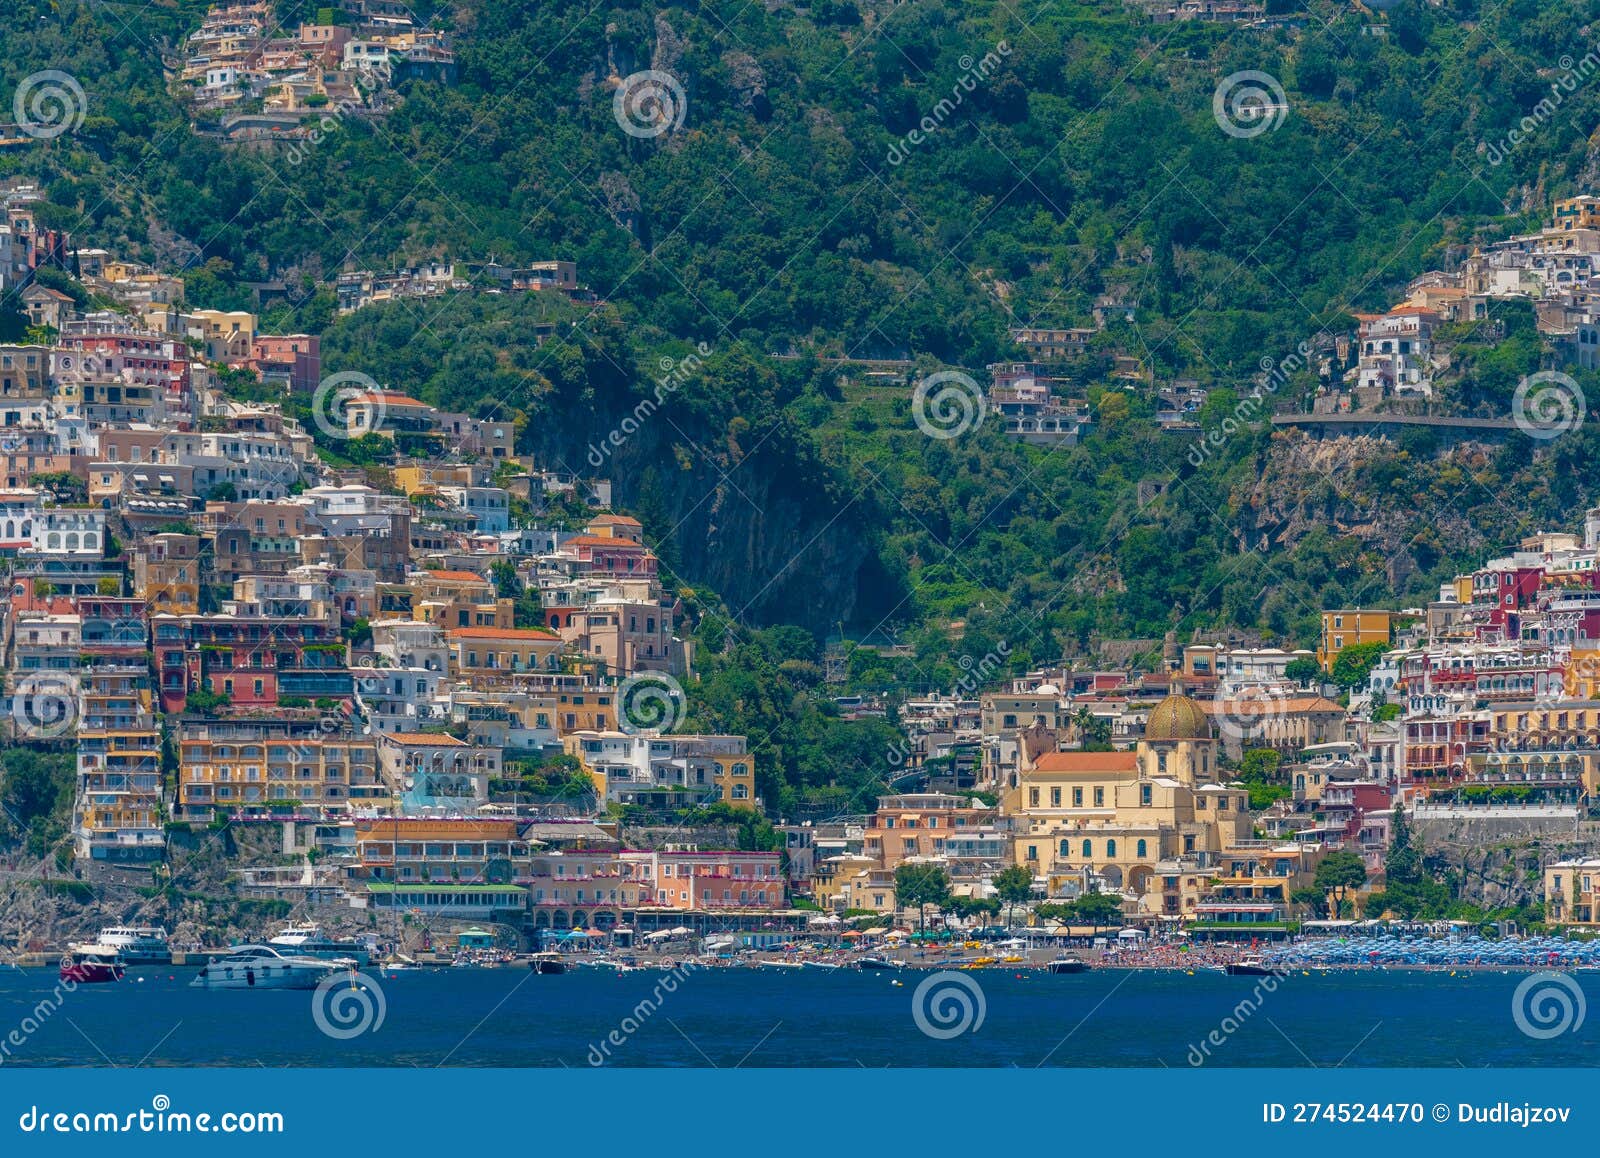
[{"x": 767, "y": 1017}]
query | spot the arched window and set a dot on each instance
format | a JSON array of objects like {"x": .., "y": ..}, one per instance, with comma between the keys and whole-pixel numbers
[
  {"x": 1141, "y": 847},
  {"x": 1111, "y": 848},
  {"x": 1088, "y": 850},
  {"x": 1066, "y": 850}
]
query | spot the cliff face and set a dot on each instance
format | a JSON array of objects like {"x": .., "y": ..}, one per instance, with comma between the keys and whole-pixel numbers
[
  {"x": 743, "y": 509},
  {"x": 1347, "y": 488}
]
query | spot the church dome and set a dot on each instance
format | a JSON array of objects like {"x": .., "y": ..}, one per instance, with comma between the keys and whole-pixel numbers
[{"x": 1178, "y": 718}]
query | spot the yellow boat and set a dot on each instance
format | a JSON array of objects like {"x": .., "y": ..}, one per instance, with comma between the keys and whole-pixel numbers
[
  {"x": 985, "y": 961},
  {"x": 1012, "y": 960}
]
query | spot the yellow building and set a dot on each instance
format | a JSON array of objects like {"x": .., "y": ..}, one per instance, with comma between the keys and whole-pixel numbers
[
  {"x": 1551, "y": 748},
  {"x": 245, "y": 765},
  {"x": 1577, "y": 213},
  {"x": 1572, "y": 892},
  {"x": 498, "y": 651},
  {"x": 226, "y": 333},
  {"x": 1347, "y": 628},
  {"x": 1116, "y": 815}
]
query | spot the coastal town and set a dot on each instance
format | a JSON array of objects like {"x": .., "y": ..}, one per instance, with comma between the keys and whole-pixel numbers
[
  {"x": 396, "y": 700},
  {"x": 415, "y": 708},
  {"x": 297, "y": 653}
]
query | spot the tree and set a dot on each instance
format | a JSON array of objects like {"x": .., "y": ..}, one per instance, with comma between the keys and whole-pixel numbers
[
  {"x": 1340, "y": 872},
  {"x": 1095, "y": 732},
  {"x": 1314, "y": 900},
  {"x": 1013, "y": 886},
  {"x": 920, "y": 885},
  {"x": 965, "y": 907},
  {"x": 1303, "y": 671},
  {"x": 1355, "y": 663},
  {"x": 1098, "y": 909},
  {"x": 1258, "y": 770}
]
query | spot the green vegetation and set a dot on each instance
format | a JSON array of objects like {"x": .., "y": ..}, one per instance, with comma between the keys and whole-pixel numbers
[
  {"x": 1355, "y": 663},
  {"x": 36, "y": 789},
  {"x": 1338, "y": 874},
  {"x": 1259, "y": 771},
  {"x": 918, "y": 886},
  {"x": 774, "y": 223},
  {"x": 1093, "y": 909},
  {"x": 1013, "y": 886}
]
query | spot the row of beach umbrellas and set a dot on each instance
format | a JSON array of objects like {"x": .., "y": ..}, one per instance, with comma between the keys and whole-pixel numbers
[{"x": 1401, "y": 949}]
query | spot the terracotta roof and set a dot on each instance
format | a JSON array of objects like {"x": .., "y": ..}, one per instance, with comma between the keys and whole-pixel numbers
[
  {"x": 506, "y": 633},
  {"x": 1273, "y": 706},
  {"x": 455, "y": 576},
  {"x": 390, "y": 398},
  {"x": 424, "y": 739},
  {"x": 602, "y": 541},
  {"x": 1087, "y": 762},
  {"x": 615, "y": 520}
]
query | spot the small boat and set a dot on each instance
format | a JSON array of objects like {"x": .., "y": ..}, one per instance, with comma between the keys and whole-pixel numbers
[
  {"x": 311, "y": 941},
  {"x": 784, "y": 964},
  {"x": 137, "y": 944},
  {"x": 91, "y": 964},
  {"x": 821, "y": 965},
  {"x": 267, "y": 967},
  {"x": 1251, "y": 967},
  {"x": 878, "y": 963},
  {"x": 1066, "y": 965},
  {"x": 547, "y": 963}
]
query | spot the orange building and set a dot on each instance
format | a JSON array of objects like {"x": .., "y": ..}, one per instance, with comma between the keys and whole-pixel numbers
[{"x": 701, "y": 881}]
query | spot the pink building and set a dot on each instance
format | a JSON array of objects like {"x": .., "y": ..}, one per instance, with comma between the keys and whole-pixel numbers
[{"x": 701, "y": 881}]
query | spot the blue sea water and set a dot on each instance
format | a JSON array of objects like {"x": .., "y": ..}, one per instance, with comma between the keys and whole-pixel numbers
[{"x": 757, "y": 1017}]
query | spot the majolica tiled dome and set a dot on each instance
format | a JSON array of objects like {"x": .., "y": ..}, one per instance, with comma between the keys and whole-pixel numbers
[{"x": 1178, "y": 718}]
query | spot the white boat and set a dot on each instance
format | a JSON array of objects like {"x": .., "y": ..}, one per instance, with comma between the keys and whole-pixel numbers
[
  {"x": 264, "y": 967},
  {"x": 311, "y": 941},
  {"x": 822, "y": 965},
  {"x": 137, "y": 944}
]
